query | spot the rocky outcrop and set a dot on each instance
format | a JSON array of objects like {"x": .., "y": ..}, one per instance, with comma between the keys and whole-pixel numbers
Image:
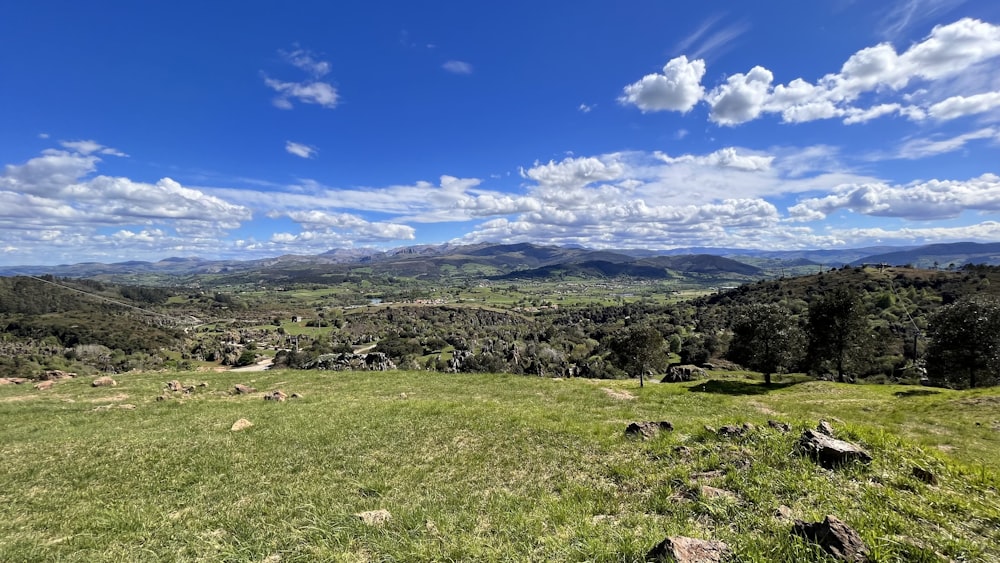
[
  {"x": 681, "y": 373},
  {"x": 277, "y": 395},
  {"x": 835, "y": 537},
  {"x": 648, "y": 429},
  {"x": 104, "y": 381},
  {"x": 830, "y": 452},
  {"x": 374, "y": 361},
  {"x": 240, "y": 389},
  {"x": 680, "y": 549}
]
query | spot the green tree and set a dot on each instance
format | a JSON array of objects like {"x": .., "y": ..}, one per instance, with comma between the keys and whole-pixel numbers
[
  {"x": 838, "y": 331},
  {"x": 965, "y": 343},
  {"x": 639, "y": 349},
  {"x": 766, "y": 338}
]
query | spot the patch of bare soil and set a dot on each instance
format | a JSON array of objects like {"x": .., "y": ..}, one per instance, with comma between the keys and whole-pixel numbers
[{"x": 620, "y": 395}]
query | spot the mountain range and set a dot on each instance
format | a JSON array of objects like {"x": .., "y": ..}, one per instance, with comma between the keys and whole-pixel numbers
[{"x": 531, "y": 261}]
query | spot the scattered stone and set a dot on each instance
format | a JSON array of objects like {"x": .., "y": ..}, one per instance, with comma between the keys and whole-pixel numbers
[
  {"x": 830, "y": 452},
  {"x": 784, "y": 513},
  {"x": 835, "y": 537},
  {"x": 647, "y": 430},
  {"x": 689, "y": 550},
  {"x": 296, "y": 396},
  {"x": 682, "y": 451},
  {"x": 241, "y": 424},
  {"x": 375, "y": 517},
  {"x": 174, "y": 386},
  {"x": 711, "y": 429},
  {"x": 55, "y": 375},
  {"x": 782, "y": 427},
  {"x": 924, "y": 475},
  {"x": 276, "y": 395},
  {"x": 346, "y": 361},
  {"x": 104, "y": 381},
  {"x": 13, "y": 380},
  {"x": 824, "y": 428},
  {"x": 403, "y": 396},
  {"x": 714, "y": 492},
  {"x": 163, "y": 397},
  {"x": 732, "y": 431},
  {"x": 203, "y": 384},
  {"x": 241, "y": 389},
  {"x": 43, "y": 385},
  {"x": 431, "y": 527}
]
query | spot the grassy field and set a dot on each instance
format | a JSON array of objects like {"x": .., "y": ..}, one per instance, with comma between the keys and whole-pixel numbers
[{"x": 482, "y": 468}]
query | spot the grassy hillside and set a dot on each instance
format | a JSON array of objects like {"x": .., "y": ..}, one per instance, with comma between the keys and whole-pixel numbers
[{"x": 484, "y": 468}]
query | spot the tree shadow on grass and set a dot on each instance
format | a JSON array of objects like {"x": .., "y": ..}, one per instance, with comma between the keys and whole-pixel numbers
[
  {"x": 734, "y": 387},
  {"x": 915, "y": 393}
]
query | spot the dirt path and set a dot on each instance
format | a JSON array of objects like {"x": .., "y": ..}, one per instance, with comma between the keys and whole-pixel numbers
[{"x": 262, "y": 365}]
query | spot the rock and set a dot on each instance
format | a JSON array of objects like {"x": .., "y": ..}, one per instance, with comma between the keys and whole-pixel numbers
[
  {"x": 924, "y": 475},
  {"x": 241, "y": 389},
  {"x": 174, "y": 386},
  {"x": 163, "y": 397},
  {"x": 241, "y": 424},
  {"x": 732, "y": 431},
  {"x": 681, "y": 373},
  {"x": 783, "y": 513},
  {"x": 375, "y": 517},
  {"x": 346, "y": 361},
  {"x": 103, "y": 381},
  {"x": 296, "y": 396},
  {"x": 779, "y": 426},
  {"x": 43, "y": 385},
  {"x": 647, "y": 430},
  {"x": 403, "y": 396},
  {"x": 830, "y": 452},
  {"x": 55, "y": 375},
  {"x": 680, "y": 549},
  {"x": 276, "y": 395},
  {"x": 824, "y": 428},
  {"x": 835, "y": 537},
  {"x": 714, "y": 492},
  {"x": 13, "y": 380}
]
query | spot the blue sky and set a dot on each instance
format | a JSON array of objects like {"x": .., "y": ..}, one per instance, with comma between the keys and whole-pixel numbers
[{"x": 143, "y": 130}]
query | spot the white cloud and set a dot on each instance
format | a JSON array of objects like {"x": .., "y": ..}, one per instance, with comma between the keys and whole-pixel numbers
[
  {"x": 741, "y": 98},
  {"x": 959, "y": 106},
  {"x": 584, "y": 108},
  {"x": 922, "y": 148},
  {"x": 677, "y": 88},
  {"x": 957, "y": 51},
  {"x": 319, "y": 93},
  {"x": 309, "y": 91},
  {"x": 707, "y": 42},
  {"x": 300, "y": 150},
  {"x": 728, "y": 157},
  {"x": 353, "y": 225},
  {"x": 924, "y": 201},
  {"x": 457, "y": 67}
]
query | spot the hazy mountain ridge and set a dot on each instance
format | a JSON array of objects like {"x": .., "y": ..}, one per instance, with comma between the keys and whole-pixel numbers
[{"x": 502, "y": 260}]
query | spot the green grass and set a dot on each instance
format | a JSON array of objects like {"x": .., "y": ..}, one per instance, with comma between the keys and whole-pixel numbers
[{"x": 481, "y": 468}]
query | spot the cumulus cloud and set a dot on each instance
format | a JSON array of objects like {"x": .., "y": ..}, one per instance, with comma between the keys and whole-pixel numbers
[
  {"x": 958, "y": 49},
  {"x": 923, "y": 201},
  {"x": 728, "y": 157},
  {"x": 677, "y": 88},
  {"x": 741, "y": 98},
  {"x": 300, "y": 150},
  {"x": 311, "y": 90},
  {"x": 457, "y": 67},
  {"x": 359, "y": 228}
]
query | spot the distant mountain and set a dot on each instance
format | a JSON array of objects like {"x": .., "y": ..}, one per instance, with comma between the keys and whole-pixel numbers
[
  {"x": 939, "y": 255},
  {"x": 490, "y": 260}
]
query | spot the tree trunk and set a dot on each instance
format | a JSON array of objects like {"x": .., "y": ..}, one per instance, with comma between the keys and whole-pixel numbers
[
  {"x": 641, "y": 378},
  {"x": 767, "y": 378}
]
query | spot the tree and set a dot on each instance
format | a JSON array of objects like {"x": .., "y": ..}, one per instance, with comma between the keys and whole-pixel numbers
[
  {"x": 838, "y": 331},
  {"x": 639, "y": 349},
  {"x": 965, "y": 343},
  {"x": 765, "y": 338}
]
